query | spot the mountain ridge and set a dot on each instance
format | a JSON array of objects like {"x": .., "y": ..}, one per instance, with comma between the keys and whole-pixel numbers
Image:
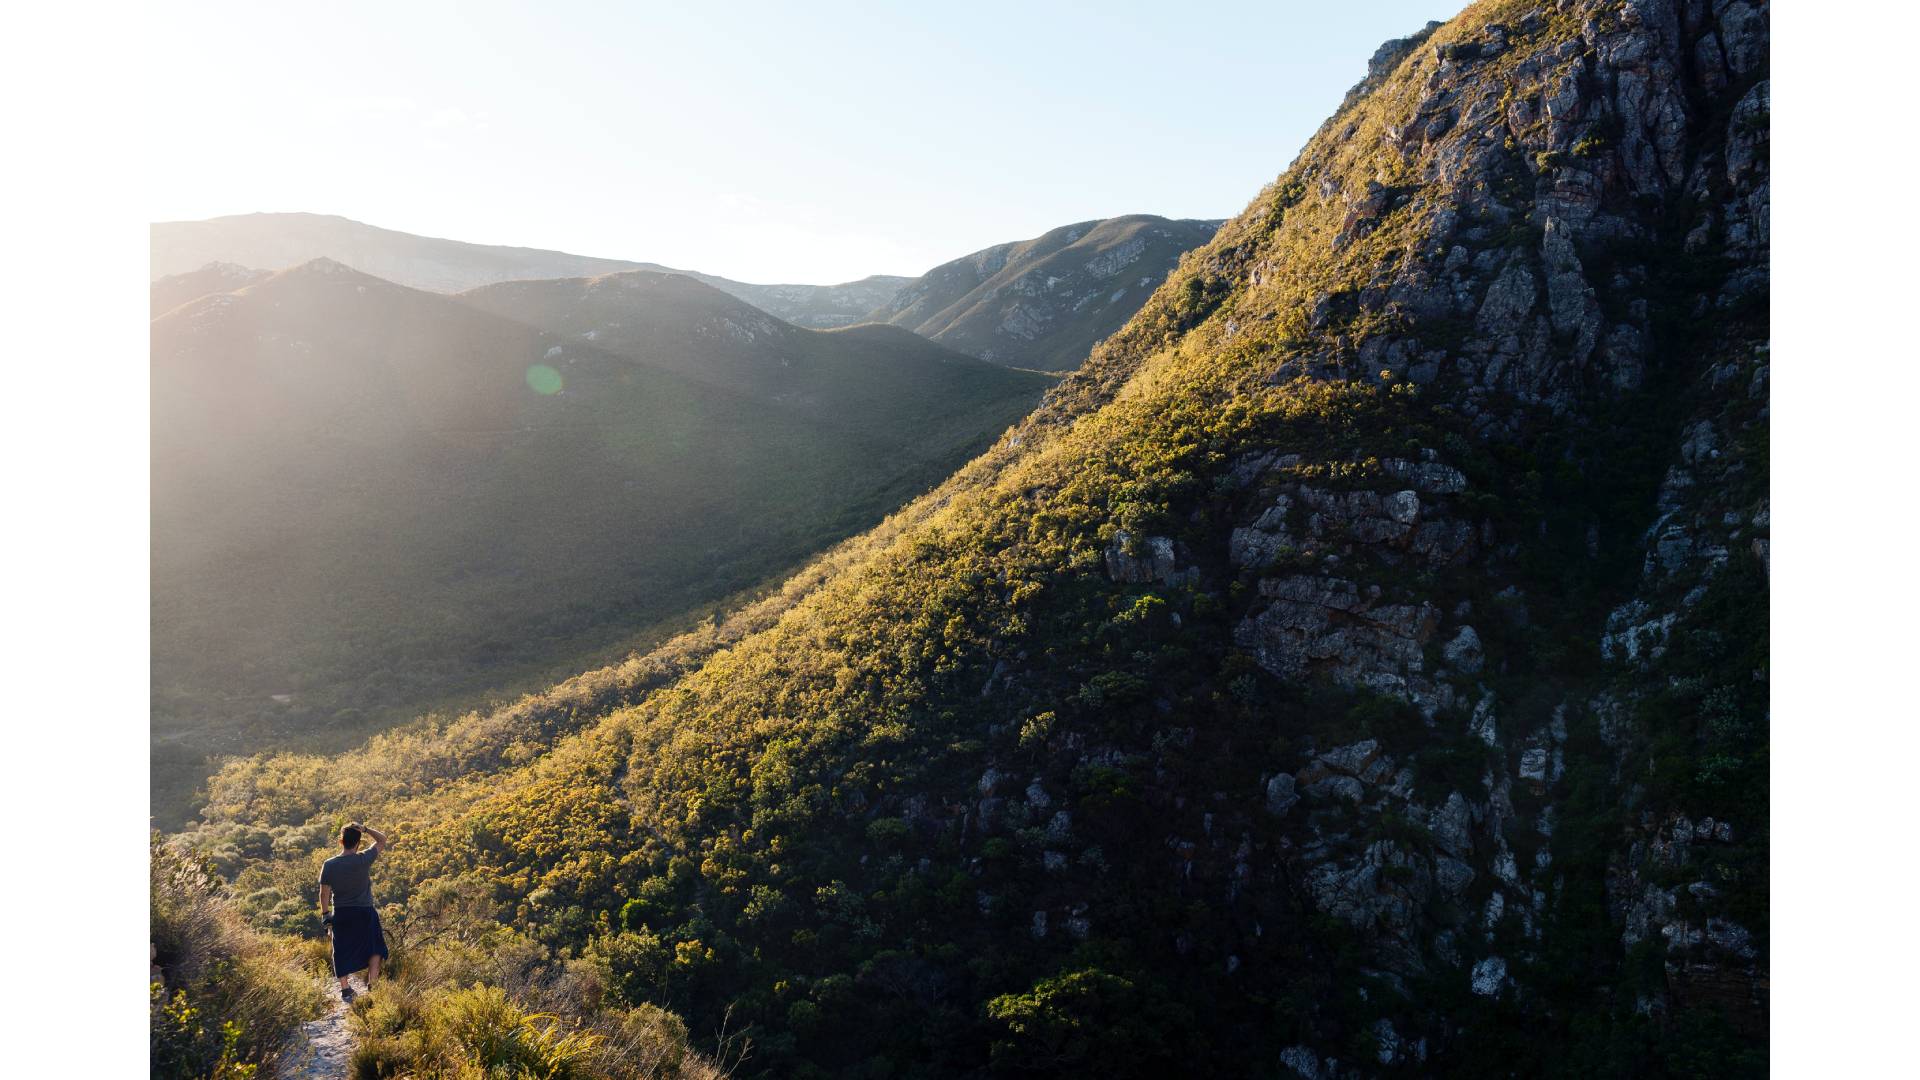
[{"x": 274, "y": 241}]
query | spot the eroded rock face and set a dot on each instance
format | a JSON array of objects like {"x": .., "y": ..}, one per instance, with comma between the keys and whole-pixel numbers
[
  {"x": 1593, "y": 129},
  {"x": 1537, "y": 232},
  {"x": 1329, "y": 626}
]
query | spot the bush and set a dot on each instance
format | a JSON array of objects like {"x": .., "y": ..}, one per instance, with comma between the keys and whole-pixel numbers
[{"x": 482, "y": 1027}]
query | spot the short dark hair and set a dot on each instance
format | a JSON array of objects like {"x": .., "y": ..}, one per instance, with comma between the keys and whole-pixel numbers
[{"x": 350, "y": 837}]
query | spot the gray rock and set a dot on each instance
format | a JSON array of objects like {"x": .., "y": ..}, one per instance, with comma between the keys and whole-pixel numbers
[
  {"x": 1452, "y": 824},
  {"x": 1302, "y": 1061},
  {"x": 1576, "y": 311},
  {"x": 1483, "y": 723},
  {"x": 1337, "y": 787},
  {"x": 1326, "y": 625},
  {"x": 1508, "y": 302},
  {"x": 1452, "y": 875},
  {"x": 1281, "y": 796},
  {"x": 1697, "y": 445},
  {"x": 1386, "y": 1041},
  {"x": 1428, "y": 476},
  {"x": 1155, "y": 563},
  {"x": 1060, "y": 827},
  {"x": 1489, "y": 975},
  {"x": 1443, "y": 541},
  {"x": 1731, "y": 937},
  {"x": 1351, "y": 759},
  {"x": 1463, "y": 653}
]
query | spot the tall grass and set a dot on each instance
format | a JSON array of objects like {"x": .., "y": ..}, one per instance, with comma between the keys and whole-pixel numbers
[
  {"x": 502, "y": 1008},
  {"x": 227, "y": 998}
]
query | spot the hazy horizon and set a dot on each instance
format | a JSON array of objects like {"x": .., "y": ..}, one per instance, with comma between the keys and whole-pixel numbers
[{"x": 787, "y": 150}]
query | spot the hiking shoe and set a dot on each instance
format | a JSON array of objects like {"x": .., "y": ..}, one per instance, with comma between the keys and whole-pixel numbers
[{"x": 346, "y": 994}]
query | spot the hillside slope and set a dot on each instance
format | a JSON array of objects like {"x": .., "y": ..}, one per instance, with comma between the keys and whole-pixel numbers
[
  {"x": 368, "y": 499},
  {"x": 1042, "y": 303},
  {"x": 279, "y": 241},
  {"x": 215, "y": 277},
  {"x": 1358, "y": 667}
]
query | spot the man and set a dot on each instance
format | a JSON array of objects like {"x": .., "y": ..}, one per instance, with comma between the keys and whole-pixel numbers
[{"x": 346, "y": 883}]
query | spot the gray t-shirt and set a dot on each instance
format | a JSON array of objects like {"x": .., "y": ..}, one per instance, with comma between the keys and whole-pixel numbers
[{"x": 348, "y": 874}]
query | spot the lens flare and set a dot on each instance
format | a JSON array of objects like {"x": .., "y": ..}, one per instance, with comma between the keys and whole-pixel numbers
[{"x": 543, "y": 379}]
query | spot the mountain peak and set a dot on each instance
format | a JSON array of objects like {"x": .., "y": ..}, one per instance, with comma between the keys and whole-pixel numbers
[{"x": 1043, "y": 303}]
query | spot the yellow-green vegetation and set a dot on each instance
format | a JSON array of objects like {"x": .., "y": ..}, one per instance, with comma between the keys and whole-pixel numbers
[
  {"x": 227, "y": 997},
  {"x": 483, "y": 1004},
  {"x": 980, "y": 795}
]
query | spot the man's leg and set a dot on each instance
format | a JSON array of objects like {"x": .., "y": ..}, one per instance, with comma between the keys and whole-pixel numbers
[{"x": 373, "y": 970}]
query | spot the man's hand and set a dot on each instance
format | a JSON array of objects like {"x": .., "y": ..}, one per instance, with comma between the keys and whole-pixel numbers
[{"x": 379, "y": 838}]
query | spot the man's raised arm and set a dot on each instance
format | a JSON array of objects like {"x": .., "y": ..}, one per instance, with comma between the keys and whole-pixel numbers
[{"x": 379, "y": 838}]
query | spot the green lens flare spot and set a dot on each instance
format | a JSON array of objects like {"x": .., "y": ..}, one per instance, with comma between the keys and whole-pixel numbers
[{"x": 543, "y": 379}]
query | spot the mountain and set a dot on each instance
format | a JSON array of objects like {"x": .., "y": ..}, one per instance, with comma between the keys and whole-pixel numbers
[
  {"x": 1357, "y": 667},
  {"x": 872, "y": 379},
  {"x": 369, "y": 499},
  {"x": 818, "y": 307},
  {"x": 278, "y": 241},
  {"x": 215, "y": 277},
  {"x": 1043, "y": 303}
]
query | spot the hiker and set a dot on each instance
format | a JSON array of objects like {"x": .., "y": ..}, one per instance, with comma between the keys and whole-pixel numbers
[{"x": 345, "y": 881}]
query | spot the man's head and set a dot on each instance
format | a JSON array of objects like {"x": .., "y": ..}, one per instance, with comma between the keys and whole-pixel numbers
[{"x": 350, "y": 838}]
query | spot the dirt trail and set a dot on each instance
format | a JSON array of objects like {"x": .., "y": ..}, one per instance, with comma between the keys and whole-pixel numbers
[{"x": 321, "y": 1050}]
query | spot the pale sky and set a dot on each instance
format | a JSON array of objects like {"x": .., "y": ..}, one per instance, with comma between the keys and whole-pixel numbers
[{"x": 811, "y": 142}]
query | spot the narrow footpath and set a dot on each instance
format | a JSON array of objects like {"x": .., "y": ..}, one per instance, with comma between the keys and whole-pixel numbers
[{"x": 321, "y": 1050}]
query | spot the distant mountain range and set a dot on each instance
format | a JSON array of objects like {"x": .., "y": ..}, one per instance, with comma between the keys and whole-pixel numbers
[
  {"x": 278, "y": 241},
  {"x": 369, "y": 499},
  {"x": 1039, "y": 303}
]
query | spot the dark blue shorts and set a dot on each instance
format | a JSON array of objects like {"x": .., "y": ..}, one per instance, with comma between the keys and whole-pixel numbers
[{"x": 357, "y": 938}]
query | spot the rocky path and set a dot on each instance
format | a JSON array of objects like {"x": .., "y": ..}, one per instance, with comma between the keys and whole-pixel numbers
[{"x": 321, "y": 1050}]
